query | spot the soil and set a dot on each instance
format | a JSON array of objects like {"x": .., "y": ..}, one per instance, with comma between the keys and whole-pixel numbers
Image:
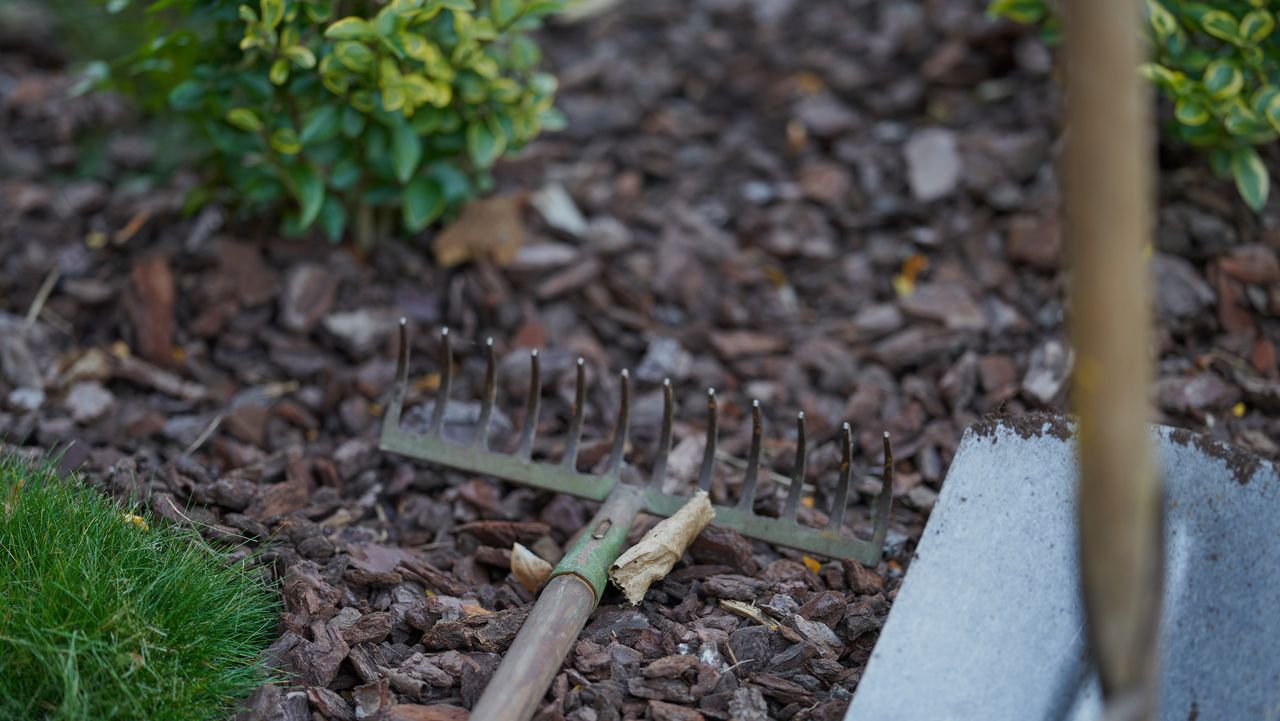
[{"x": 847, "y": 208}]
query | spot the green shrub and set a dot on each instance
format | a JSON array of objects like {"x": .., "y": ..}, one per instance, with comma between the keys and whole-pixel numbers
[
  {"x": 109, "y": 615},
  {"x": 347, "y": 111},
  {"x": 1220, "y": 66}
]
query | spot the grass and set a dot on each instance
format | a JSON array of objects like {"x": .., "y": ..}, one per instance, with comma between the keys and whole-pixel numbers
[{"x": 109, "y": 615}]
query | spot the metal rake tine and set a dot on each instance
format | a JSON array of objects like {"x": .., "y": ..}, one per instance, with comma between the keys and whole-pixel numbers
[
  {"x": 886, "y": 496},
  {"x": 446, "y": 380},
  {"x": 570, "y": 459},
  {"x": 623, "y": 425},
  {"x": 797, "y": 471},
  {"x": 531, "y": 406},
  {"x": 842, "y": 486},
  {"x": 709, "y": 454},
  {"x": 664, "y": 437},
  {"x": 490, "y": 393},
  {"x": 401, "y": 386},
  {"x": 748, "y": 498}
]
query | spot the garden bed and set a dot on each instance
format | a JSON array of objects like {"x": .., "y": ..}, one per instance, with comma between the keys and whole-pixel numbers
[{"x": 845, "y": 208}]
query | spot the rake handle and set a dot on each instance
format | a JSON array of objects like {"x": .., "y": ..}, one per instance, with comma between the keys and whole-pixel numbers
[
  {"x": 562, "y": 609},
  {"x": 1108, "y": 200}
]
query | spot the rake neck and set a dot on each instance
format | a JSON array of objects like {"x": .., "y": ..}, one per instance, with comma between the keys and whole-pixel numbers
[{"x": 563, "y": 607}]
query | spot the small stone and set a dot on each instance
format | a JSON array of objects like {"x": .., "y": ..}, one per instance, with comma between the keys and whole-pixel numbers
[
  {"x": 360, "y": 331},
  {"x": 665, "y": 358},
  {"x": 879, "y": 319},
  {"x": 1047, "y": 371},
  {"x": 542, "y": 257},
  {"x": 88, "y": 401},
  {"x": 1035, "y": 241},
  {"x": 933, "y": 163},
  {"x": 555, "y": 206},
  {"x": 997, "y": 372},
  {"x": 25, "y": 400},
  {"x": 1205, "y": 391},
  {"x": 1181, "y": 292},
  {"x": 309, "y": 292},
  {"x": 1252, "y": 264},
  {"x": 949, "y": 303}
]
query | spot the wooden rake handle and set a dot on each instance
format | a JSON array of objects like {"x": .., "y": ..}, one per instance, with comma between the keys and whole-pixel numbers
[{"x": 1108, "y": 187}]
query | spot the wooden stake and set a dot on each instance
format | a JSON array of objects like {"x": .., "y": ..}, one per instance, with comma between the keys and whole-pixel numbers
[{"x": 1109, "y": 218}]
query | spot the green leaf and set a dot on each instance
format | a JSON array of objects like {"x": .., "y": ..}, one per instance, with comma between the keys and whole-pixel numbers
[
  {"x": 286, "y": 141},
  {"x": 464, "y": 6},
  {"x": 1272, "y": 112},
  {"x": 272, "y": 13},
  {"x": 1222, "y": 80},
  {"x": 320, "y": 125},
  {"x": 351, "y": 28},
  {"x": 245, "y": 119},
  {"x": 1222, "y": 26},
  {"x": 1220, "y": 162},
  {"x": 279, "y": 74},
  {"x": 504, "y": 11},
  {"x": 1026, "y": 12},
  {"x": 301, "y": 56},
  {"x": 422, "y": 203},
  {"x": 308, "y": 189},
  {"x": 1256, "y": 25},
  {"x": 355, "y": 56},
  {"x": 384, "y": 23},
  {"x": 539, "y": 8},
  {"x": 186, "y": 95},
  {"x": 345, "y": 174},
  {"x": 406, "y": 151},
  {"x": 1190, "y": 112},
  {"x": 333, "y": 218},
  {"x": 1251, "y": 177},
  {"x": 352, "y": 122},
  {"x": 483, "y": 145},
  {"x": 1163, "y": 21}
]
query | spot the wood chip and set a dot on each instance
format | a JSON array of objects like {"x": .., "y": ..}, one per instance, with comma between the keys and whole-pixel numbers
[
  {"x": 652, "y": 558},
  {"x": 530, "y": 570},
  {"x": 748, "y": 610}
]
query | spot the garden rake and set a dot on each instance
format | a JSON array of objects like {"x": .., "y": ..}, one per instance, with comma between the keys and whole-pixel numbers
[{"x": 575, "y": 585}]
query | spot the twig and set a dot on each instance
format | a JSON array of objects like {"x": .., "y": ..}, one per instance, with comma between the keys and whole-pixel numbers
[
  {"x": 42, "y": 295},
  {"x": 204, "y": 435}
]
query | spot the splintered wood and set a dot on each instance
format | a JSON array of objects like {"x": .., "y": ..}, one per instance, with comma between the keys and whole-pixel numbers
[{"x": 652, "y": 558}]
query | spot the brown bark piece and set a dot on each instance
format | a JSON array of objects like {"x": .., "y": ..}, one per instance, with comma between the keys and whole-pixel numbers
[{"x": 149, "y": 305}]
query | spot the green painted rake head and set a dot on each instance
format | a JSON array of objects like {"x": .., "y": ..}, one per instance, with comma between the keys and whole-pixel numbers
[{"x": 564, "y": 477}]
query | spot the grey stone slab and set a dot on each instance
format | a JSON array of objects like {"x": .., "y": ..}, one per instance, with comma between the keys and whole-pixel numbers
[{"x": 989, "y": 624}]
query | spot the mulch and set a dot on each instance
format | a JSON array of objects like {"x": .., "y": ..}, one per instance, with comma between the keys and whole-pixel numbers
[{"x": 844, "y": 208}]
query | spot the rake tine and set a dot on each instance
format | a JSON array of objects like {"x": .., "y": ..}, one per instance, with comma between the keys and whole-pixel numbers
[
  {"x": 797, "y": 471},
  {"x": 622, "y": 426},
  {"x": 490, "y": 392},
  {"x": 842, "y": 486},
  {"x": 886, "y": 496},
  {"x": 402, "y": 374},
  {"x": 446, "y": 380},
  {"x": 525, "y": 449},
  {"x": 664, "y": 437},
  {"x": 570, "y": 459},
  {"x": 748, "y": 498},
  {"x": 709, "y": 455}
]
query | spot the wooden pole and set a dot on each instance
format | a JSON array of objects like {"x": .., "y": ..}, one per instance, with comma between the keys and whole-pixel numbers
[{"x": 1108, "y": 188}]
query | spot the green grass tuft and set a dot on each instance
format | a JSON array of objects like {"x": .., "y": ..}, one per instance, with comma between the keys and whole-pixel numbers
[{"x": 103, "y": 618}]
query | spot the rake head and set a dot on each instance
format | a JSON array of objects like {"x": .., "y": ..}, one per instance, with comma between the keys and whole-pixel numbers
[{"x": 564, "y": 477}]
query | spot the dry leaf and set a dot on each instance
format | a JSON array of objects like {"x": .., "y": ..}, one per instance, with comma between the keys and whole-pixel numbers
[
  {"x": 652, "y": 558},
  {"x": 529, "y": 569},
  {"x": 489, "y": 229}
]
